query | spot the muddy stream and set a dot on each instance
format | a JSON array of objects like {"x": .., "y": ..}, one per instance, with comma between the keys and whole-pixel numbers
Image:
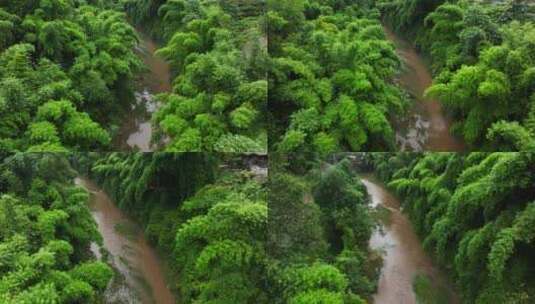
[
  {"x": 136, "y": 130},
  {"x": 403, "y": 255},
  {"x": 426, "y": 127},
  {"x": 129, "y": 253}
]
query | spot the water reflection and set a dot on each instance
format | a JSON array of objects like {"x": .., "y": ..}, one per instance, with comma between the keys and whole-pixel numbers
[
  {"x": 403, "y": 254},
  {"x": 426, "y": 127},
  {"x": 136, "y": 131},
  {"x": 129, "y": 253}
]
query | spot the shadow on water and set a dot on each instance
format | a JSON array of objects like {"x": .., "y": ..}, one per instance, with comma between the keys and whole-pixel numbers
[
  {"x": 426, "y": 127},
  {"x": 404, "y": 258},
  {"x": 136, "y": 131},
  {"x": 129, "y": 252}
]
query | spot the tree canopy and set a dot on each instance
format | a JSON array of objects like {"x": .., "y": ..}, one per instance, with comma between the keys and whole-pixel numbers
[
  {"x": 210, "y": 224},
  {"x": 482, "y": 59},
  {"x": 475, "y": 214},
  {"x": 46, "y": 233},
  {"x": 318, "y": 232},
  {"x": 330, "y": 77},
  {"x": 69, "y": 59},
  {"x": 218, "y": 55}
]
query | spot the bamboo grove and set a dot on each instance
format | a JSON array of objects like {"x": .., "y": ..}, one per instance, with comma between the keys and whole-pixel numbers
[
  {"x": 319, "y": 227},
  {"x": 46, "y": 231},
  {"x": 65, "y": 68},
  {"x": 482, "y": 58},
  {"x": 475, "y": 214},
  {"x": 217, "y": 53},
  {"x": 280, "y": 121},
  {"x": 209, "y": 224},
  {"x": 330, "y": 77},
  {"x": 69, "y": 68}
]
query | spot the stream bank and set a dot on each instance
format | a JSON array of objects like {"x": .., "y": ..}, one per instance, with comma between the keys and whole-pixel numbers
[
  {"x": 136, "y": 130},
  {"x": 426, "y": 127},
  {"x": 404, "y": 260},
  {"x": 128, "y": 251}
]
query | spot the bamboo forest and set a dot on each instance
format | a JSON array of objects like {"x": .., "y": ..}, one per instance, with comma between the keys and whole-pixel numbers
[
  {"x": 132, "y": 228},
  {"x": 409, "y": 75},
  {"x": 403, "y": 228},
  {"x": 267, "y": 152},
  {"x": 180, "y": 75}
]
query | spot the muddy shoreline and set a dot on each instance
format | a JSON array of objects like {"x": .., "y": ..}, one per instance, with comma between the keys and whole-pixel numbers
[
  {"x": 136, "y": 130},
  {"x": 141, "y": 271},
  {"x": 403, "y": 255},
  {"x": 426, "y": 126}
]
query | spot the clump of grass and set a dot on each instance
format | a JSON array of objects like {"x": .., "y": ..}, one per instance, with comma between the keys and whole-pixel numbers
[{"x": 428, "y": 293}]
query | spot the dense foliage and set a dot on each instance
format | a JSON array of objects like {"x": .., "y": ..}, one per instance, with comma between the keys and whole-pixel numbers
[
  {"x": 217, "y": 51},
  {"x": 318, "y": 232},
  {"x": 330, "y": 77},
  {"x": 45, "y": 232},
  {"x": 64, "y": 68},
  {"x": 482, "y": 55},
  {"x": 476, "y": 214},
  {"x": 212, "y": 233},
  {"x": 134, "y": 180}
]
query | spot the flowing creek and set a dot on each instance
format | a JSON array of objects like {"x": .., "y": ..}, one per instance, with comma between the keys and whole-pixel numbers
[
  {"x": 403, "y": 255},
  {"x": 129, "y": 252},
  {"x": 426, "y": 127},
  {"x": 136, "y": 131}
]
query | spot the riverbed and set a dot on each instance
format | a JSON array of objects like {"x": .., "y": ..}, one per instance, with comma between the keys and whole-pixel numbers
[
  {"x": 426, "y": 127},
  {"x": 129, "y": 253},
  {"x": 136, "y": 130},
  {"x": 403, "y": 255}
]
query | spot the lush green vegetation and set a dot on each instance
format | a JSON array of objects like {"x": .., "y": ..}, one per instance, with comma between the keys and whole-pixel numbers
[
  {"x": 209, "y": 224},
  {"x": 330, "y": 77},
  {"x": 217, "y": 51},
  {"x": 65, "y": 72},
  {"x": 427, "y": 293},
  {"x": 221, "y": 246},
  {"x": 45, "y": 232},
  {"x": 318, "y": 232},
  {"x": 482, "y": 55},
  {"x": 475, "y": 214}
]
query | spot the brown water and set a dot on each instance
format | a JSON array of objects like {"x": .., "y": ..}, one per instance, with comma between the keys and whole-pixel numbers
[
  {"x": 130, "y": 252},
  {"x": 403, "y": 254},
  {"x": 427, "y": 127},
  {"x": 136, "y": 132}
]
